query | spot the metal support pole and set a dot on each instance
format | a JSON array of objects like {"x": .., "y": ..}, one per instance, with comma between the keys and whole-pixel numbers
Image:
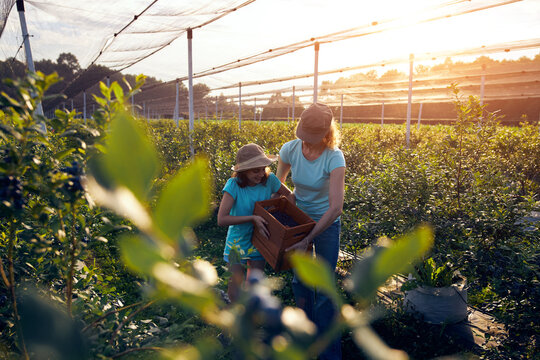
[
  {"x": 482, "y": 83},
  {"x": 190, "y": 89},
  {"x": 28, "y": 50},
  {"x": 288, "y": 113},
  {"x": 71, "y": 104},
  {"x": 419, "y": 116},
  {"x": 239, "y": 105},
  {"x": 293, "y": 104},
  {"x": 341, "y": 114},
  {"x": 260, "y": 116},
  {"x": 144, "y": 108},
  {"x": 409, "y": 102},
  {"x": 176, "y": 115},
  {"x": 382, "y": 114},
  {"x": 255, "y": 110},
  {"x": 84, "y": 106},
  {"x": 108, "y": 81},
  {"x": 221, "y": 115},
  {"x": 316, "y": 73}
]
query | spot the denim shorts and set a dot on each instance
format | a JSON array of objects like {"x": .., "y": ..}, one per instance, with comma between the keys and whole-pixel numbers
[{"x": 244, "y": 261}]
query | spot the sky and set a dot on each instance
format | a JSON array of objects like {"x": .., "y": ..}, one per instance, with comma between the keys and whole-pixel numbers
[{"x": 266, "y": 24}]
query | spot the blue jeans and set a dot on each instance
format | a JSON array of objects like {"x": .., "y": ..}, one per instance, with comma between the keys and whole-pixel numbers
[{"x": 317, "y": 306}]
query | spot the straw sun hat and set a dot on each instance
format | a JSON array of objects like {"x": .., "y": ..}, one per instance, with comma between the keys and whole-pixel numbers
[
  {"x": 252, "y": 156},
  {"x": 314, "y": 123}
]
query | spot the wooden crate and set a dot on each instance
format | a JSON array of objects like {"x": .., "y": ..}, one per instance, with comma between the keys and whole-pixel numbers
[{"x": 281, "y": 236}]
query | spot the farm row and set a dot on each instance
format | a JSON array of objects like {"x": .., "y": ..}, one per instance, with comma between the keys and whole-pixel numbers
[{"x": 474, "y": 182}]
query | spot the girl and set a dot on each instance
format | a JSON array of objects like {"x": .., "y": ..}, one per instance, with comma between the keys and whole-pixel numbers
[{"x": 251, "y": 181}]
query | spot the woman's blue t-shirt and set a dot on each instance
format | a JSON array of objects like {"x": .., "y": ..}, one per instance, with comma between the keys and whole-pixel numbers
[
  {"x": 311, "y": 178},
  {"x": 244, "y": 203}
]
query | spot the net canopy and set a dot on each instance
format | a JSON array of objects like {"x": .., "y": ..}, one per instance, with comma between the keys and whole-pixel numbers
[
  {"x": 269, "y": 44},
  {"x": 119, "y": 33}
]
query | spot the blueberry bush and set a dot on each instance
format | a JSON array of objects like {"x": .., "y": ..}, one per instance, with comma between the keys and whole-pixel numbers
[{"x": 108, "y": 231}]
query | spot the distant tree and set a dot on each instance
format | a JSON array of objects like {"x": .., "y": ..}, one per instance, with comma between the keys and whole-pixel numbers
[
  {"x": 276, "y": 98},
  {"x": 70, "y": 61},
  {"x": 392, "y": 74},
  {"x": 421, "y": 70},
  {"x": 326, "y": 84}
]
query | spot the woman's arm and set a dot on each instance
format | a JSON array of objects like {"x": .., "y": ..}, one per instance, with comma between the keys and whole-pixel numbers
[
  {"x": 282, "y": 171},
  {"x": 335, "y": 198},
  {"x": 284, "y": 191},
  {"x": 224, "y": 219}
]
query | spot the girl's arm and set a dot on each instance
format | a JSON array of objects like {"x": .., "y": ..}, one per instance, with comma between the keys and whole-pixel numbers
[
  {"x": 335, "y": 198},
  {"x": 224, "y": 219}
]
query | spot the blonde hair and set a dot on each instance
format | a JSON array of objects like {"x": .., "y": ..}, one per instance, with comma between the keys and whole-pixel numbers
[{"x": 332, "y": 139}]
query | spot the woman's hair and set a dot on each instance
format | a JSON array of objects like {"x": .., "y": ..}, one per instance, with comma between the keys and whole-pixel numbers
[
  {"x": 242, "y": 180},
  {"x": 332, "y": 139}
]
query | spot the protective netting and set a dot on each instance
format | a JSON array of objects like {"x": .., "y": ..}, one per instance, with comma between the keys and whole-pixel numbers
[
  {"x": 120, "y": 33},
  {"x": 5, "y": 8},
  {"x": 362, "y": 37},
  {"x": 434, "y": 12}
]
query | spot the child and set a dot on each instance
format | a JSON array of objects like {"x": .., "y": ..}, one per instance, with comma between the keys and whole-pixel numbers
[{"x": 251, "y": 181}]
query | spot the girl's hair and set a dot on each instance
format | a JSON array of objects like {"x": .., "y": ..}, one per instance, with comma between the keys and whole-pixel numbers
[
  {"x": 242, "y": 180},
  {"x": 332, "y": 139}
]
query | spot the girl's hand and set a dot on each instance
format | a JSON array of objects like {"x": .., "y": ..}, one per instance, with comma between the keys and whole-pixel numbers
[{"x": 260, "y": 225}]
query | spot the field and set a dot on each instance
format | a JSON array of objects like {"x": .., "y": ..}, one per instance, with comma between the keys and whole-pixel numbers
[{"x": 475, "y": 183}]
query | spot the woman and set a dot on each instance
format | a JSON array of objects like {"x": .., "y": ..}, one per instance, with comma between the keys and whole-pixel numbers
[{"x": 317, "y": 169}]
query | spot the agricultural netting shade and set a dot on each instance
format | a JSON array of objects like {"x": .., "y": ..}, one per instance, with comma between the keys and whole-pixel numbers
[{"x": 116, "y": 34}]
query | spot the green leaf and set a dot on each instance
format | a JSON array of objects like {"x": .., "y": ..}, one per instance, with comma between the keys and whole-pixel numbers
[
  {"x": 118, "y": 92},
  {"x": 380, "y": 263},
  {"x": 131, "y": 160},
  {"x": 316, "y": 274},
  {"x": 139, "y": 254},
  {"x": 184, "y": 200},
  {"x": 101, "y": 101},
  {"x": 105, "y": 90},
  {"x": 47, "y": 329}
]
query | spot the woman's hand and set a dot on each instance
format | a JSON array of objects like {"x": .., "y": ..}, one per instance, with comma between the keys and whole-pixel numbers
[
  {"x": 301, "y": 246},
  {"x": 260, "y": 225}
]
